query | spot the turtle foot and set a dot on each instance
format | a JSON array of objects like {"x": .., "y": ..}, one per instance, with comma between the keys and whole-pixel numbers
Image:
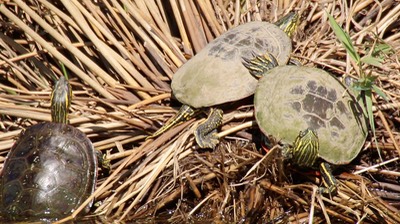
[
  {"x": 259, "y": 64},
  {"x": 103, "y": 162},
  {"x": 209, "y": 141},
  {"x": 206, "y": 132}
]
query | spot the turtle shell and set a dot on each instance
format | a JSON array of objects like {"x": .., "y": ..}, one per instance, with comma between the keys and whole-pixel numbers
[
  {"x": 289, "y": 99},
  {"x": 48, "y": 173},
  {"x": 216, "y": 74}
]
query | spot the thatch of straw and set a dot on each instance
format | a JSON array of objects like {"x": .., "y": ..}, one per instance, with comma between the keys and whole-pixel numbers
[{"x": 120, "y": 57}]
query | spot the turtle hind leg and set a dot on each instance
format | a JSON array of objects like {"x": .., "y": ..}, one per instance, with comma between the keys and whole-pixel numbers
[
  {"x": 206, "y": 132},
  {"x": 185, "y": 113}
]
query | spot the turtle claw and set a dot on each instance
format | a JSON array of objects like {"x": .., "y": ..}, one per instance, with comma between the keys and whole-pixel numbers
[
  {"x": 209, "y": 141},
  {"x": 206, "y": 133},
  {"x": 260, "y": 63},
  {"x": 328, "y": 190}
]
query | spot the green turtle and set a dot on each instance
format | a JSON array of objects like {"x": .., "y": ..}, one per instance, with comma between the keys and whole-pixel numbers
[
  {"x": 314, "y": 115},
  {"x": 216, "y": 74},
  {"x": 52, "y": 168}
]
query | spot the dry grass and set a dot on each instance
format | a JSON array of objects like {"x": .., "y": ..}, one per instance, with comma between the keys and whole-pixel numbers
[{"x": 121, "y": 55}]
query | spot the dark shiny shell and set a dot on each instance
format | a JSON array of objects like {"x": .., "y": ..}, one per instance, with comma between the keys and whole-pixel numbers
[
  {"x": 48, "y": 173},
  {"x": 289, "y": 99},
  {"x": 216, "y": 74}
]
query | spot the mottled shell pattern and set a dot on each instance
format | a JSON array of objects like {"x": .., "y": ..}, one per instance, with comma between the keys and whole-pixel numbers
[
  {"x": 216, "y": 74},
  {"x": 290, "y": 99}
]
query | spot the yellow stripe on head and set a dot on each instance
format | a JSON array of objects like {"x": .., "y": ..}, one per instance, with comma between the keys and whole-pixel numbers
[
  {"x": 306, "y": 148},
  {"x": 61, "y": 101},
  {"x": 289, "y": 23}
]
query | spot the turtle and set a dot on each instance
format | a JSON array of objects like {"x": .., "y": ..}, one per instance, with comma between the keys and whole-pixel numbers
[
  {"x": 51, "y": 169},
  {"x": 320, "y": 123},
  {"x": 216, "y": 75}
]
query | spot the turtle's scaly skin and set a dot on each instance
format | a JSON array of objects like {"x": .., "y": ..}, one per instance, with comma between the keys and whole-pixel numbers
[
  {"x": 60, "y": 101},
  {"x": 258, "y": 65},
  {"x": 50, "y": 170},
  {"x": 206, "y": 133},
  {"x": 304, "y": 153},
  {"x": 305, "y": 148},
  {"x": 216, "y": 74}
]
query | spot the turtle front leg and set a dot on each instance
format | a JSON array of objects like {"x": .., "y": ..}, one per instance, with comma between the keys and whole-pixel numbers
[
  {"x": 185, "y": 113},
  {"x": 206, "y": 132},
  {"x": 330, "y": 182},
  {"x": 259, "y": 64},
  {"x": 304, "y": 153}
]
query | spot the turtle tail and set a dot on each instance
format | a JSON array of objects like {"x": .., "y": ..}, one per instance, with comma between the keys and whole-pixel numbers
[{"x": 185, "y": 113}]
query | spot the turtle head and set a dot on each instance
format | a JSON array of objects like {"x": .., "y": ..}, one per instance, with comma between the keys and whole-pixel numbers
[
  {"x": 289, "y": 23},
  {"x": 305, "y": 148},
  {"x": 60, "y": 101}
]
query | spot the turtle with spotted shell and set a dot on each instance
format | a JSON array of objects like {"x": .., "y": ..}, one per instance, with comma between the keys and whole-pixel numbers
[
  {"x": 52, "y": 168},
  {"x": 216, "y": 75},
  {"x": 314, "y": 115}
]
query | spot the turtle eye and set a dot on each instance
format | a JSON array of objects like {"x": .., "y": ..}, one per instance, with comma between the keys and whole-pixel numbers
[{"x": 302, "y": 134}]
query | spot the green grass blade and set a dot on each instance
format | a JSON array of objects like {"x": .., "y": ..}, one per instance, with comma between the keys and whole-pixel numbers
[
  {"x": 372, "y": 60},
  {"x": 380, "y": 92},
  {"x": 368, "y": 101},
  {"x": 344, "y": 38},
  {"x": 64, "y": 70},
  {"x": 383, "y": 48}
]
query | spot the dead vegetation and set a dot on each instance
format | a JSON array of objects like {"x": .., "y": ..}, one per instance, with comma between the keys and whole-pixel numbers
[{"x": 120, "y": 57}]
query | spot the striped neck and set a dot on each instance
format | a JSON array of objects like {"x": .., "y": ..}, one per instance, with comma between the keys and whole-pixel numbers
[
  {"x": 289, "y": 23},
  {"x": 60, "y": 101}
]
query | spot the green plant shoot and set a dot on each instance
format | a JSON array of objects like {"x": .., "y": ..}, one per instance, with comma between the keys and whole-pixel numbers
[{"x": 366, "y": 82}]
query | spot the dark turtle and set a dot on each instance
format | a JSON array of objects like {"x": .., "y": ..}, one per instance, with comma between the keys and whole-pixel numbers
[
  {"x": 331, "y": 122},
  {"x": 216, "y": 74},
  {"x": 51, "y": 169}
]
